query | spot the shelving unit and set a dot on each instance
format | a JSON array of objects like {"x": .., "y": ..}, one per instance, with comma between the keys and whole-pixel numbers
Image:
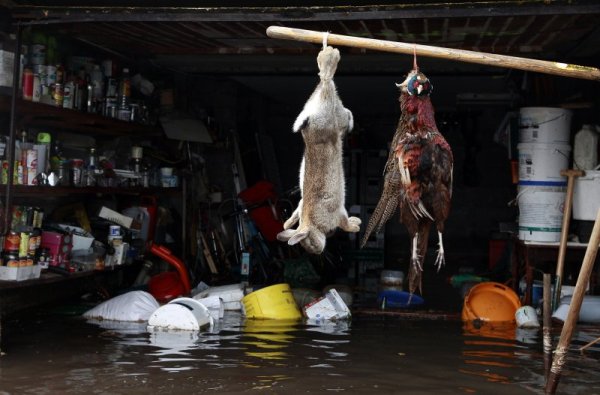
[
  {"x": 25, "y": 114},
  {"x": 60, "y": 191}
]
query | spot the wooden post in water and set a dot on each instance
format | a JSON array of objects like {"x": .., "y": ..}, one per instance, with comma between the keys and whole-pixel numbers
[
  {"x": 547, "y": 323},
  {"x": 567, "y": 331},
  {"x": 571, "y": 174},
  {"x": 461, "y": 55}
]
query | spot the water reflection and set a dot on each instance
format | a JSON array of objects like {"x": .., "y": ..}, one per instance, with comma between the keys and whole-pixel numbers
[
  {"x": 494, "y": 350},
  {"x": 270, "y": 337},
  {"x": 238, "y": 356}
]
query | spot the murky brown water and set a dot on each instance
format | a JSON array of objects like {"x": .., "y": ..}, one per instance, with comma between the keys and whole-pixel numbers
[{"x": 64, "y": 354}]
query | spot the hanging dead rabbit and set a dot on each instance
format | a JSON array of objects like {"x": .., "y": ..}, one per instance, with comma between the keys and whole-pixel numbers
[{"x": 323, "y": 122}]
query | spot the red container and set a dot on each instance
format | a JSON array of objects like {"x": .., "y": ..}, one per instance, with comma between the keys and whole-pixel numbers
[{"x": 27, "y": 84}]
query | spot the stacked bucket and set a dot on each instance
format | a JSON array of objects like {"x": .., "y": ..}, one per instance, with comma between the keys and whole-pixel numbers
[{"x": 544, "y": 151}]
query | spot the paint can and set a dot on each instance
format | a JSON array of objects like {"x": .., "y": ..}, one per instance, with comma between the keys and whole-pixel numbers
[{"x": 526, "y": 317}]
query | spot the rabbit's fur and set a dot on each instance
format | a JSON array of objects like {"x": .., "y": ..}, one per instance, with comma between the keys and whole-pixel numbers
[{"x": 323, "y": 122}]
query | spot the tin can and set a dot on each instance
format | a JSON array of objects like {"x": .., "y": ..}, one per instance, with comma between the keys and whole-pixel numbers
[
  {"x": 42, "y": 71},
  {"x": 12, "y": 242},
  {"x": 24, "y": 245},
  {"x": 38, "y": 54},
  {"x": 38, "y": 217},
  {"x": 4, "y": 176},
  {"x": 68, "y": 95},
  {"x": 31, "y": 157},
  {"x": 11, "y": 259},
  {"x": 34, "y": 241},
  {"x": 37, "y": 89},
  {"x": 51, "y": 75},
  {"x": 27, "y": 84},
  {"x": 44, "y": 258},
  {"x": 58, "y": 94},
  {"x": 114, "y": 230}
]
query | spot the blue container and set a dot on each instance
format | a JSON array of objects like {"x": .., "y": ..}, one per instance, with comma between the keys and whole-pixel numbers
[{"x": 399, "y": 299}]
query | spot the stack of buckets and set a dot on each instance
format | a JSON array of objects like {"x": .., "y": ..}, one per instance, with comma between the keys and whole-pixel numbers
[{"x": 544, "y": 151}]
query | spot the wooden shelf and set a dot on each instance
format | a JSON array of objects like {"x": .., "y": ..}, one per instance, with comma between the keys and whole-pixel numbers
[
  {"x": 44, "y": 115},
  {"x": 48, "y": 191}
]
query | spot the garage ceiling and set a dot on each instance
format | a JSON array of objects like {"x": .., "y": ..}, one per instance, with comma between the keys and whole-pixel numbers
[{"x": 201, "y": 37}]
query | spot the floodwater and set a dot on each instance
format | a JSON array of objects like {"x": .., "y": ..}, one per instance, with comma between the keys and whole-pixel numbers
[{"x": 52, "y": 353}]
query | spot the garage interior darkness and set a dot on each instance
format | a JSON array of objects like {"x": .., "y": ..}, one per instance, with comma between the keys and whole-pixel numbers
[{"x": 245, "y": 87}]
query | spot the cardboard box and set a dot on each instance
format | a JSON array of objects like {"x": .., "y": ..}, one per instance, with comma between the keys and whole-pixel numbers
[
  {"x": 329, "y": 307},
  {"x": 20, "y": 273}
]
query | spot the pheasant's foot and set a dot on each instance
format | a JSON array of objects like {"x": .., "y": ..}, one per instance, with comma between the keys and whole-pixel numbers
[{"x": 440, "y": 260}]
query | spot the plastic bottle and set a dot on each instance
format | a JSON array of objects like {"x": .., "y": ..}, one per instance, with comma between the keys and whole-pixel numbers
[
  {"x": 585, "y": 151},
  {"x": 124, "y": 90},
  {"x": 97, "y": 79}
]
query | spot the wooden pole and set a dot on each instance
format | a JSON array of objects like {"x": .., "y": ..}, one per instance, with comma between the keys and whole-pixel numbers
[
  {"x": 564, "y": 233},
  {"x": 461, "y": 55},
  {"x": 576, "y": 301},
  {"x": 547, "y": 323}
]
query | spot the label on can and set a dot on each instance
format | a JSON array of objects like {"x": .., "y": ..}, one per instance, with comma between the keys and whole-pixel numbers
[
  {"x": 31, "y": 157},
  {"x": 12, "y": 242},
  {"x": 24, "y": 245},
  {"x": 42, "y": 71},
  {"x": 38, "y": 216},
  {"x": 58, "y": 94},
  {"x": 37, "y": 89},
  {"x": 51, "y": 74}
]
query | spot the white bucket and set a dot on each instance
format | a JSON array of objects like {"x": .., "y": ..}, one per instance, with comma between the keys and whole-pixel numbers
[
  {"x": 544, "y": 125},
  {"x": 526, "y": 317},
  {"x": 541, "y": 206},
  {"x": 185, "y": 314},
  {"x": 543, "y": 161},
  {"x": 586, "y": 196}
]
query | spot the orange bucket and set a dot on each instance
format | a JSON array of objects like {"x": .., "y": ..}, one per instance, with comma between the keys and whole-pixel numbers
[{"x": 490, "y": 301}]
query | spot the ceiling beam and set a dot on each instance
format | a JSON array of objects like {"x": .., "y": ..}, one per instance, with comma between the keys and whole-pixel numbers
[{"x": 32, "y": 15}]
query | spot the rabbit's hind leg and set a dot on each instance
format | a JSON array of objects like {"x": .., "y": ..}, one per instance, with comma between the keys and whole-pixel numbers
[
  {"x": 291, "y": 221},
  {"x": 350, "y": 224}
]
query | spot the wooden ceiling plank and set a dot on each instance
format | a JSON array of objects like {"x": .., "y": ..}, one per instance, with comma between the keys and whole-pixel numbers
[
  {"x": 50, "y": 15},
  {"x": 501, "y": 33}
]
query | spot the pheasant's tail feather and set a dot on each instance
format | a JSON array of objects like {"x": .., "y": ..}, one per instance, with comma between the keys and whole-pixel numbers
[{"x": 383, "y": 211}]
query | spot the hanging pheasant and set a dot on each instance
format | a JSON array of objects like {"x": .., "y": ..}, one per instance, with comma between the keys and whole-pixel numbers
[{"x": 417, "y": 175}]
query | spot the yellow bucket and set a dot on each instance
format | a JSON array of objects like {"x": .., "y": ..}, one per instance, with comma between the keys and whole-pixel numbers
[{"x": 273, "y": 302}]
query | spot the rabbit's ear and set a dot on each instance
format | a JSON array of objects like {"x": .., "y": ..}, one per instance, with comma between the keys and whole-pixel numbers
[
  {"x": 298, "y": 237},
  {"x": 286, "y": 234},
  {"x": 350, "y": 120}
]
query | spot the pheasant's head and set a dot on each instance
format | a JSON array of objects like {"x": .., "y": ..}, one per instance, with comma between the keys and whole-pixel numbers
[{"x": 416, "y": 84}]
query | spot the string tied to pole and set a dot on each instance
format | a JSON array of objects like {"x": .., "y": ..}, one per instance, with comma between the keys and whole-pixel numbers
[{"x": 325, "y": 35}]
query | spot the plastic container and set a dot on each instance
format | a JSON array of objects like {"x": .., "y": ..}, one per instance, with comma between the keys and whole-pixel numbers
[
  {"x": 490, "y": 301},
  {"x": 540, "y": 211},
  {"x": 544, "y": 125},
  {"x": 526, "y": 317},
  {"x": 392, "y": 278},
  {"x": 589, "y": 311},
  {"x": 273, "y": 302},
  {"x": 585, "y": 148},
  {"x": 231, "y": 295},
  {"x": 398, "y": 299},
  {"x": 543, "y": 161},
  {"x": 180, "y": 314},
  {"x": 586, "y": 196}
]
